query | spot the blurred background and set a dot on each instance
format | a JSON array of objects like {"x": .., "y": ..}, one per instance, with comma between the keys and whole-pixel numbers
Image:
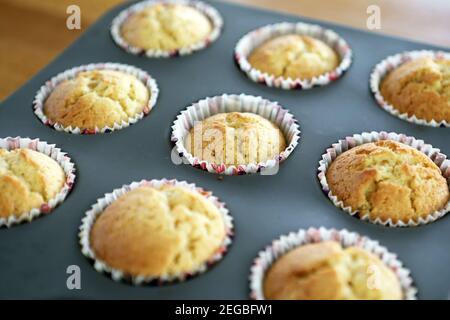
[{"x": 33, "y": 32}]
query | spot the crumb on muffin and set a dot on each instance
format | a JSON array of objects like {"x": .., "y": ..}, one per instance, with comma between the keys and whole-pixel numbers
[
  {"x": 294, "y": 56},
  {"x": 235, "y": 138},
  {"x": 326, "y": 271},
  {"x": 28, "y": 179},
  {"x": 166, "y": 26},
  {"x": 96, "y": 99},
  {"x": 421, "y": 88},
  {"x": 388, "y": 180},
  {"x": 162, "y": 231}
]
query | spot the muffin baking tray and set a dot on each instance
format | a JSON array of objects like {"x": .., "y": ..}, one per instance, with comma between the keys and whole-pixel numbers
[{"x": 34, "y": 257}]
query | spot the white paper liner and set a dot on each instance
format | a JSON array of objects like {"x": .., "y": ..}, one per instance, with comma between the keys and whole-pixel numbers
[
  {"x": 211, "y": 13},
  {"x": 358, "y": 139},
  {"x": 346, "y": 238},
  {"x": 389, "y": 64},
  {"x": 56, "y": 154},
  {"x": 118, "y": 275},
  {"x": 257, "y": 37},
  {"x": 235, "y": 103},
  {"x": 45, "y": 91}
]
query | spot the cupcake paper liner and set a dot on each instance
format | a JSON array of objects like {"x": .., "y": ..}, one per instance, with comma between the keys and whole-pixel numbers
[
  {"x": 118, "y": 275},
  {"x": 211, "y": 13},
  {"x": 45, "y": 91},
  {"x": 366, "y": 137},
  {"x": 56, "y": 154},
  {"x": 389, "y": 64},
  {"x": 257, "y": 37},
  {"x": 235, "y": 103},
  {"x": 288, "y": 242}
]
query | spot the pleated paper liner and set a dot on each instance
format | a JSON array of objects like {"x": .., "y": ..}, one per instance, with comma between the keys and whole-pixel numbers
[
  {"x": 56, "y": 154},
  {"x": 210, "y": 12},
  {"x": 235, "y": 103},
  {"x": 391, "y": 63},
  {"x": 366, "y": 137},
  {"x": 285, "y": 243},
  {"x": 45, "y": 91},
  {"x": 257, "y": 37},
  {"x": 119, "y": 275}
]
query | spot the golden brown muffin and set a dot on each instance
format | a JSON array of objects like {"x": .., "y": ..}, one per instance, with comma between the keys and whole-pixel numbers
[
  {"x": 156, "y": 232},
  {"x": 235, "y": 138},
  {"x": 166, "y": 26},
  {"x": 420, "y": 87},
  {"x": 325, "y": 271},
  {"x": 294, "y": 56},
  {"x": 388, "y": 180},
  {"x": 28, "y": 179},
  {"x": 96, "y": 99}
]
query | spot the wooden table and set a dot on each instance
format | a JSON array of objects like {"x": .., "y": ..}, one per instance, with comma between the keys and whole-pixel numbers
[{"x": 34, "y": 32}]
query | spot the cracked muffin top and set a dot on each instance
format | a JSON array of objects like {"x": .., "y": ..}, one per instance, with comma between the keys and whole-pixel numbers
[
  {"x": 28, "y": 179},
  {"x": 326, "y": 271},
  {"x": 294, "y": 56},
  {"x": 420, "y": 87},
  {"x": 388, "y": 180},
  {"x": 166, "y": 26},
  {"x": 235, "y": 138},
  {"x": 157, "y": 232},
  {"x": 96, "y": 99}
]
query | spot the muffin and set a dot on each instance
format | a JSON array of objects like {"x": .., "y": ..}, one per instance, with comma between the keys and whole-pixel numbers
[
  {"x": 326, "y": 271},
  {"x": 96, "y": 99},
  {"x": 166, "y": 26},
  {"x": 235, "y": 138},
  {"x": 421, "y": 88},
  {"x": 28, "y": 180},
  {"x": 294, "y": 56},
  {"x": 388, "y": 180},
  {"x": 158, "y": 231}
]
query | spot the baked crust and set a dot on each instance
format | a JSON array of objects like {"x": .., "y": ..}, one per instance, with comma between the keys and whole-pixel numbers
[
  {"x": 96, "y": 99},
  {"x": 166, "y": 27},
  {"x": 420, "y": 87},
  {"x": 325, "y": 271},
  {"x": 388, "y": 180},
  {"x": 294, "y": 56},
  {"x": 28, "y": 179},
  {"x": 157, "y": 232},
  {"x": 235, "y": 138}
]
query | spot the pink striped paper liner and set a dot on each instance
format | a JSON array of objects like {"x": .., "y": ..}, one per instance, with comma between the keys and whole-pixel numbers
[
  {"x": 366, "y": 137},
  {"x": 210, "y": 12},
  {"x": 56, "y": 154},
  {"x": 257, "y": 37},
  {"x": 389, "y": 64},
  {"x": 224, "y": 103},
  {"x": 119, "y": 275},
  {"x": 45, "y": 91},
  {"x": 267, "y": 257}
]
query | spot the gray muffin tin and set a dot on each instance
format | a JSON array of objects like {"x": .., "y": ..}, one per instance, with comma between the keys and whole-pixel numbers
[{"x": 34, "y": 256}]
